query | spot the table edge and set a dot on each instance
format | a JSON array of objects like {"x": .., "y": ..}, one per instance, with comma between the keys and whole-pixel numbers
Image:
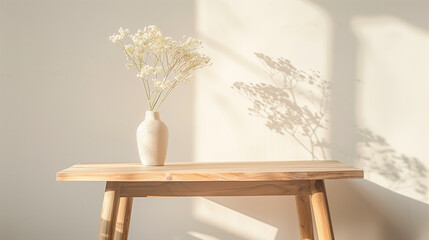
[{"x": 213, "y": 177}]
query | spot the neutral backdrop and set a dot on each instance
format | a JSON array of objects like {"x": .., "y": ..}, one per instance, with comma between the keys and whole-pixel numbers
[{"x": 66, "y": 98}]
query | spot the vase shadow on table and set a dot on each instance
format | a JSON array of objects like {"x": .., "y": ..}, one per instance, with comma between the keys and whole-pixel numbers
[{"x": 294, "y": 103}]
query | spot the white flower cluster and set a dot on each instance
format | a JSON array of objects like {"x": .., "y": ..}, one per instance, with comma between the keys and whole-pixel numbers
[
  {"x": 119, "y": 37},
  {"x": 163, "y": 60},
  {"x": 148, "y": 70},
  {"x": 161, "y": 85}
]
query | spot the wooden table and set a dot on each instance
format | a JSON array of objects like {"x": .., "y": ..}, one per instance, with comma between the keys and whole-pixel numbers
[{"x": 124, "y": 181}]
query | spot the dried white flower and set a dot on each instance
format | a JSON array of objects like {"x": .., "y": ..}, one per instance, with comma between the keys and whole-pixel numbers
[
  {"x": 160, "y": 58},
  {"x": 158, "y": 70},
  {"x": 148, "y": 70}
]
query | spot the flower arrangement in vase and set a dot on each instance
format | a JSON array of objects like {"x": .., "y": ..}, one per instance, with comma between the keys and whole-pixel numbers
[{"x": 161, "y": 63}]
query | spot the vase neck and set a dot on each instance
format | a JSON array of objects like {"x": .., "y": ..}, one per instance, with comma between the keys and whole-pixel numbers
[{"x": 150, "y": 115}]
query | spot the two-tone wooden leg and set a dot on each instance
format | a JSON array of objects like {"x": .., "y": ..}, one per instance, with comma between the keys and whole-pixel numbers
[
  {"x": 321, "y": 213},
  {"x": 305, "y": 221},
  {"x": 109, "y": 211},
  {"x": 123, "y": 218},
  {"x": 115, "y": 214}
]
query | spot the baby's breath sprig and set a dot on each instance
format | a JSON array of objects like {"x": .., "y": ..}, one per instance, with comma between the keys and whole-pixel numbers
[{"x": 161, "y": 62}]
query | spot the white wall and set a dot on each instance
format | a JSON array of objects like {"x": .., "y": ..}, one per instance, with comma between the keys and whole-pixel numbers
[
  {"x": 375, "y": 56},
  {"x": 65, "y": 98}
]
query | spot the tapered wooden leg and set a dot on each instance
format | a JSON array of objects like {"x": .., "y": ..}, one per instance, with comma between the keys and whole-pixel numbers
[
  {"x": 109, "y": 211},
  {"x": 123, "y": 218},
  {"x": 304, "y": 217},
  {"x": 321, "y": 210}
]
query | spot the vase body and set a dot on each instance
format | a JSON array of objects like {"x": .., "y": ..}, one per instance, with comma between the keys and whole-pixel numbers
[{"x": 152, "y": 140}]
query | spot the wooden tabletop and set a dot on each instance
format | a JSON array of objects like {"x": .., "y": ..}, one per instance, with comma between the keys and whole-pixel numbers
[{"x": 210, "y": 171}]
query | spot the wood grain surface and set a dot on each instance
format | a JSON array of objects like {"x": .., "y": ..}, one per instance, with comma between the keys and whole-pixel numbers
[
  {"x": 322, "y": 216},
  {"x": 211, "y": 171},
  {"x": 305, "y": 220},
  {"x": 109, "y": 212},
  {"x": 210, "y": 188}
]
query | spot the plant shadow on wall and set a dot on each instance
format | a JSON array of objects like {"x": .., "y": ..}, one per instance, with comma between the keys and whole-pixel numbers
[{"x": 295, "y": 103}]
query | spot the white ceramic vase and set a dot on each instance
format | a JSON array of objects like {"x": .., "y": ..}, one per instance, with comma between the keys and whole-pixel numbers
[{"x": 152, "y": 140}]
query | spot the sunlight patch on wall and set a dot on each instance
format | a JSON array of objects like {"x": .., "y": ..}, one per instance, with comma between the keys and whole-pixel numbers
[
  {"x": 201, "y": 236},
  {"x": 226, "y": 127},
  {"x": 392, "y": 97}
]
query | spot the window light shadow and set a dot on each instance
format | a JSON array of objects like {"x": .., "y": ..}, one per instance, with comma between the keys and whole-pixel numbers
[{"x": 294, "y": 103}]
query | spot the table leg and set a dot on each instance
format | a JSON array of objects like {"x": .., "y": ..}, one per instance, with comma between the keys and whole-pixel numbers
[
  {"x": 109, "y": 211},
  {"x": 304, "y": 217},
  {"x": 321, "y": 210},
  {"x": 123, "y": 218}
]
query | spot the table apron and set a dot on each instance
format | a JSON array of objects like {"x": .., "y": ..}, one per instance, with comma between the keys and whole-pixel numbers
[{"x": 214, "y": 188}]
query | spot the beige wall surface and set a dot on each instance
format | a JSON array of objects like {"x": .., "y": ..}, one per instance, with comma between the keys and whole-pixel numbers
[{"x": 345, "y": 80}]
